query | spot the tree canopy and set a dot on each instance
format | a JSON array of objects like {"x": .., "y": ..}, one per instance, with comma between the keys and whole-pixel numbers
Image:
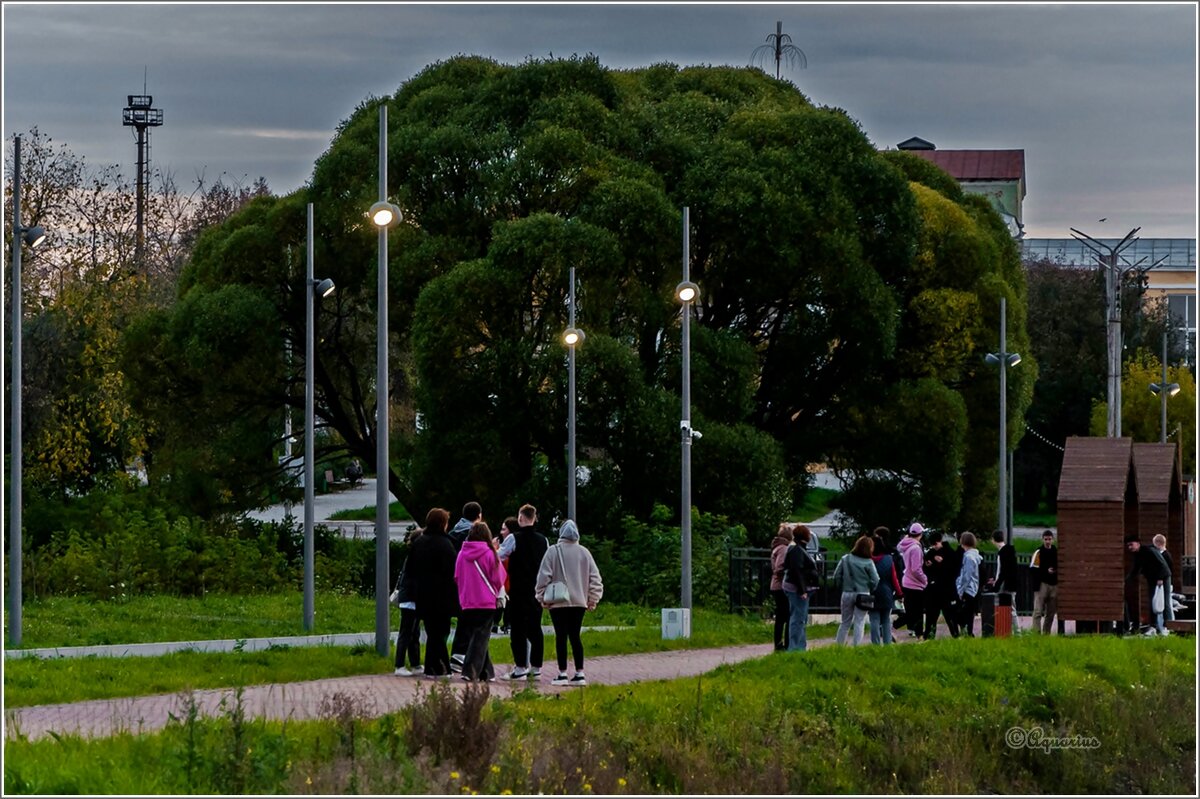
[{"x": 844, "y": 310}]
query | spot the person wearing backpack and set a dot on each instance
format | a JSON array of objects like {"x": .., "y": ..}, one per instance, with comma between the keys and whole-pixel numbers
[
  {"x": 856, "y": 575},
  {"x": 800, "y": 580}
]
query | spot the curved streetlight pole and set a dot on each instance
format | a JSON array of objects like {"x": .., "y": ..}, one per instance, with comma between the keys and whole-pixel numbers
[{"x": 1164, "y": 390}]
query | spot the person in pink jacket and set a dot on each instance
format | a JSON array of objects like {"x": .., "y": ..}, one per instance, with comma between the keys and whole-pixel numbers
[
  {"x": 914, "y": 580},
  {"x": 479, "y": 575}
]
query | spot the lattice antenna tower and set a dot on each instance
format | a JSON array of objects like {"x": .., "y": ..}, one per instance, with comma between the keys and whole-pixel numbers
[
  {"x": 140, "y": 115},
  {"x": 779, "y": 47}
]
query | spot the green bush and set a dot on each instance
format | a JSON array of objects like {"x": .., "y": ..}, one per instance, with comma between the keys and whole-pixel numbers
[{"x": 645, "y": 566}]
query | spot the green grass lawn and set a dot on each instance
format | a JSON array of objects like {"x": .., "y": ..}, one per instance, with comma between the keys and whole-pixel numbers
[
  {"x": 1042, "y": 520},
  {"x": 816, "y": 504},
  {"x": 396, "y": 513},
  {"x": 1115, "y": 716}
]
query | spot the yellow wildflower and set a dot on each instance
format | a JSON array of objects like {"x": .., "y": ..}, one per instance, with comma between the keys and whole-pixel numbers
[
  {"x": 453, "y": 775},
  {"x": 621, "y": 781},
  {"x": 495, "y": 769},
  {"x": 308, "y": 780}
]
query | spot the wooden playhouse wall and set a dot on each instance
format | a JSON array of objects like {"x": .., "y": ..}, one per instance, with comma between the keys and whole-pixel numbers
[{"x": 1097, "y": 506}]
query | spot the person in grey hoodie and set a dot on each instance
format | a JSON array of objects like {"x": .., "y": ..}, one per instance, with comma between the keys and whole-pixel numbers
[
  {"x": 967, "y": 583},
  {"x": 570, "y": 562},
  {"x": 856, "y": 574}
]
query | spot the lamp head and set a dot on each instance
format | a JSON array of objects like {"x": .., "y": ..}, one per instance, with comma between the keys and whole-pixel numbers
[
  {"x": 992, "y": 359},
  {"x": 34, "y": 235},
  {"x": 1014, "y": 358},
  {"x": 687, "y": 291},
  {"x": 573, "y": 336},
  {"x": 384, "y": 214},
  {"x": 323, "y": 288},
  {"x": 1170, "y": 389}
]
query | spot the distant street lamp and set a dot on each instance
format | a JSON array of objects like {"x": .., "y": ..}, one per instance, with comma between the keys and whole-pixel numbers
[
  {"x": 383, "y": 215},
  {"x": 313, "y": 289},
  {"x": 32, "y": 236},
  {"x": 1164, "y": 390},
  {"x": 686, "y": 293},
  {"x": 572, "y": 337},
  {"x": 1004, "y": 360}
]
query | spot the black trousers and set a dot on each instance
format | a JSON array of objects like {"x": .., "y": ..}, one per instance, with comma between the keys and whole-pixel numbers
[
  {"x": 475, "y": 625},
  {"x": 968, "y": 608},
  {"x": 459, "y": 645},
  {"x": 914, "y": 610},
  {"x": 437, "y": 630},
  {"x": 408, "y": 639},
  {"x": 939, "y": 601},
  {"x": 783, "y": 612},
  {"x": 567, "y": 624},
  {"x": 525, "y": 632}
]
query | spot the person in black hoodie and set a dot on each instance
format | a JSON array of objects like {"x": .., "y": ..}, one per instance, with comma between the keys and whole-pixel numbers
[
  {"x": 1005, "y": 578},
  {"x": 524, "y": 611},
  {"x": 1043, "y": 571},
  {"x": 941, "y": 567},
  {"x": 431, "y": 561},
  {"x": 1149, "y": 562}
]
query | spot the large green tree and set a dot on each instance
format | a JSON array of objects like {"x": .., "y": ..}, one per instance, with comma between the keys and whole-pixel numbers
[{"x": 805, "y": 241}]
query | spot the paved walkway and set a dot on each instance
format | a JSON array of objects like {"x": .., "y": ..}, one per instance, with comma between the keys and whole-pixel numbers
[{"x": 378, "y": 693}]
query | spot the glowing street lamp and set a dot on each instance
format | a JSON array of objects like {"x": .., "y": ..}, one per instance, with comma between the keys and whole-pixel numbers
[
  {"x": 686, "y": 293},
  {"x": 572, "y": 338}
]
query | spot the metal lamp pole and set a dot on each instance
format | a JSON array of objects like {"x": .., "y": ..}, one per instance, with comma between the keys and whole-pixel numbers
[
  {"x": 687, "y": 293},
  {"x": 33, "y": 236},
  {"x": 1164, "y": 390},
  {"x": 382, "y": 469},
  {"x": 572, "y": 337},
  {"x": 1003, "y": 359}
]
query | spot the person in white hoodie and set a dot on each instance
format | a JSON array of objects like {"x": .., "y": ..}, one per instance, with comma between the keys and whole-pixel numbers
[
  {"x": 569, "y": 562},
  {"x": 967, "y": 583}
]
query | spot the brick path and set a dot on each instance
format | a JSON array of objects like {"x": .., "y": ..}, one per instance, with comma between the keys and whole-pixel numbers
[{"x": 381, "y": 693}]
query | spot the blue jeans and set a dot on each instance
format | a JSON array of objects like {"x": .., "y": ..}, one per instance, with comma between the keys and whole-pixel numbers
[
  {"x": 881, "y": 624},
  {"x": 798, "y": 622}
]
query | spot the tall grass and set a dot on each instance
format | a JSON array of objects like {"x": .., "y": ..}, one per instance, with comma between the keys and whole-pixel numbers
[{"x": 930, "y": 718}]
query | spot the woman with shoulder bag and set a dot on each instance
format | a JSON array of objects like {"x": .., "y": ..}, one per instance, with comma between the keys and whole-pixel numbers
[
  {"x": 480, "y": 579},
  {"x": 800, "y": 580},
  {"x": 779, "y": 550},
  {"x": 568, "y": 583},
  {"x": 857, "y": 576}
]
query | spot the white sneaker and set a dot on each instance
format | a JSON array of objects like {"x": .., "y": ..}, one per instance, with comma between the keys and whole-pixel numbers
[
  {"x": 418, "y": 670},
  {"x": 578, "y": 679},
  {"x": 1150, "y": 633},
  {"x": 402, "y": 672},
  {"x": 535, "y": 674},
  {"x": 1165, "y": 632},
  {"x": 517, "y": 674},
  {"x": 561, "y": 679}
]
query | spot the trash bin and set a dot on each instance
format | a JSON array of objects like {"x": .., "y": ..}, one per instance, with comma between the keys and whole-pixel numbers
[{"x": 995, "y": 614}]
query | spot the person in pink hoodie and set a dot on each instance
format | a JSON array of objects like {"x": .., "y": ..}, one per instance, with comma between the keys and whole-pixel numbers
[
  {"x": 914, "y": 580},
  {"x": 479, "y": 575}
]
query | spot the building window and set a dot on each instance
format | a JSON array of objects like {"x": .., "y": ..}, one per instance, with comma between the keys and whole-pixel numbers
[{"x": 1182, "y": 308}]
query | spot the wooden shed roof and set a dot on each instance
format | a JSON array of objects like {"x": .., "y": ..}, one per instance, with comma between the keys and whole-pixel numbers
[
  {"x": 1157, "y": 472},
  {"x": 1095, "y": 469}
]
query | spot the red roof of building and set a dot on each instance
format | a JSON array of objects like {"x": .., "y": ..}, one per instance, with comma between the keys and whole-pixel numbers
[{"x": 978, "y": 164}]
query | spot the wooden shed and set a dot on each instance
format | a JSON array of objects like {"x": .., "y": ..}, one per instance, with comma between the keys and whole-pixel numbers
[
  {"x": 1160, "y": 500},
  {"x": 1097, "y": 507}
]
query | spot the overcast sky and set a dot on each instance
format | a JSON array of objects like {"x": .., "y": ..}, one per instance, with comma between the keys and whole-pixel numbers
[{"x": 1101, "y": 97}]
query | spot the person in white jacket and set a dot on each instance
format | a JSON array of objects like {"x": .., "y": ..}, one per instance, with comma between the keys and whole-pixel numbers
[{"x": 571, "y": 563}]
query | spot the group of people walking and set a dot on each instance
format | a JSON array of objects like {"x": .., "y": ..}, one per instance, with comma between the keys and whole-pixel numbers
[
  {"x": 918, "y": 583},
  {"x": 469, "y": 573}
]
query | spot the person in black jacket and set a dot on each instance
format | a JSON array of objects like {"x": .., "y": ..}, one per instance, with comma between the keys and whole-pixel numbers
[
  {"x": 408, "y": 637},
  {"x": 941, "y": 599},
  {"x": 524, "y": 611},
  {"x": 801, "y": 580},
  {"x": 431, "y": 560},
  {"x": 1149, "y": 562},
  {"x": 1043, "y": 570},
  {"x": 1005, "y": 578}
]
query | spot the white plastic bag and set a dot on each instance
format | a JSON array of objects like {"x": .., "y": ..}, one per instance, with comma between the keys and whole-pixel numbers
[{"x": 1158, "y": 601}]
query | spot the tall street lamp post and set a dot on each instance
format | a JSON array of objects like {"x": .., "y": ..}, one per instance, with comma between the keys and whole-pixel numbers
[
  {"x": 686, "y": 293},
  {"x": 312, "y": 289},
  {"x": 384, "y": 215},
  {"x": 1003, "y": 359},
  {"x": 572, "y": 337},
  {"x": 1164, "y": 390},
  {"x": 33, "y": 236}
]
